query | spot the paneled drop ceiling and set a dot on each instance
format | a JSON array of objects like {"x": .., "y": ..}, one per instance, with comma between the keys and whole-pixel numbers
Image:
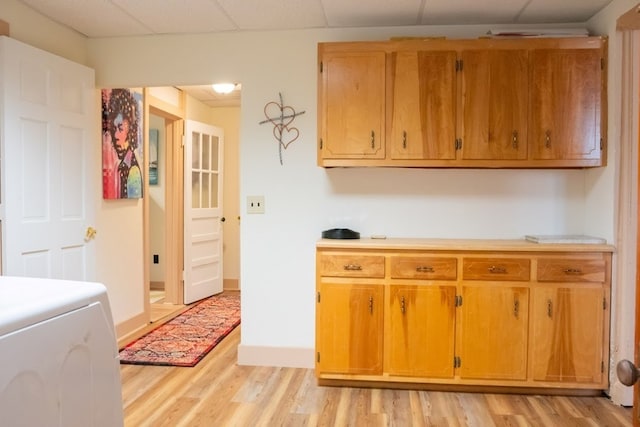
[{"x": 113, "y": 18}]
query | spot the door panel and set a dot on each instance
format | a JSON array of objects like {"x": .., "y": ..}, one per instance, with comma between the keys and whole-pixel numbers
[
  {"x": 495, "y": 86},
  {"x": 49, "y": 158},
  {"x": 203, "y": 211}
]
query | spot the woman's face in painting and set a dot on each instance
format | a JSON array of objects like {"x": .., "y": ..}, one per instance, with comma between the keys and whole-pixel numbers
[{"x": 120, "y": 135}]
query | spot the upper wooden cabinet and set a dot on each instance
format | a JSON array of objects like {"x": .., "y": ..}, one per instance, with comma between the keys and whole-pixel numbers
[
  {"x": 352, "y": 120},
  {"x": 530, "y": 103},
  {"x": 566, "y": 97},
  {"x": 495, "y": 87},
  {"x": 423, "y": 105}
]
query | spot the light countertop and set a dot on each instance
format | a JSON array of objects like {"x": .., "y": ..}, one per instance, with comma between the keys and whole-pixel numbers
[{"x": 461, "y": 244}]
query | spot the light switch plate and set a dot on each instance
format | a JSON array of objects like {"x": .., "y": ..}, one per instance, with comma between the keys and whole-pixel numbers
[{"x": 255, "y": 204}]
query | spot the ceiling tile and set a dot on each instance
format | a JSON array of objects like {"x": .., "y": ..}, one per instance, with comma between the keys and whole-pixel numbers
[
  {"x": 206, "y": 95},
  {"x": 274, "y": 14},
  {"x": 93, "y": 18},
  {"x": 178, "y": 16},
  {"x": 112, "y": 18},
  {"x": 561, "y": 11},
  {"x": 372, "y": 13},
  {"x": 460, "y": 12}
]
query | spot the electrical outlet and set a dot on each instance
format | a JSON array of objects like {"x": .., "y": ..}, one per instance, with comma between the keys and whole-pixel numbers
[{"x": 255, "y": 204}]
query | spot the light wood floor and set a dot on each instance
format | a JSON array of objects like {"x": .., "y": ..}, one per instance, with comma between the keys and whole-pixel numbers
[{"x": 218, "y": 392}]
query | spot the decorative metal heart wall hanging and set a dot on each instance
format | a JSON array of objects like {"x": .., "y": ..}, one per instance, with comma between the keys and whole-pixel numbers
[{"x": 281, "y": 117}]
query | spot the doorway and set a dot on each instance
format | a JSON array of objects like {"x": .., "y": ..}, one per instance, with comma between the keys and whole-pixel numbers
[
  {"x": 167, "y": 109},
  {"x": 163, "y": 206}
]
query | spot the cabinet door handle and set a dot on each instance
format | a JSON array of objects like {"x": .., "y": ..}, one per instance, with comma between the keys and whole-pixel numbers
[
  {"x": 497, "y": 270},
  {"x": 573, "y": 271},
  {"x": 547, "y": 139},
  {"x": 353, "y": 267},
  {"x": 516, "y": 307},
  {"x": 404, "y": 139},
  {"x": 373, "y": 139},
  {"x": 424, "y": 269},
  {"x": 549, "y": 308},
  {"x": 403, "y": 307},
  {"x": 515, "y": 139},
  {"x": 371, "y": 304}
]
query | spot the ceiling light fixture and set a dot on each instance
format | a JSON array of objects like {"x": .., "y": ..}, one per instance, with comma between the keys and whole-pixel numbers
[{"x": 223, "y": 88}]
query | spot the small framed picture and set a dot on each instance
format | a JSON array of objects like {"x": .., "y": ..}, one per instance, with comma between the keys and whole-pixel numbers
[{"x": 153, "y": 156}]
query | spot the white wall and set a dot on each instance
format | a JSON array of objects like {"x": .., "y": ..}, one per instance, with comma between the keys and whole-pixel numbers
[
  {"x": 601, "y": 182},
  {"x": 277, "y": 248},
  {"x": 36, "y": 30},
  {"x": 228, "y": 118}
]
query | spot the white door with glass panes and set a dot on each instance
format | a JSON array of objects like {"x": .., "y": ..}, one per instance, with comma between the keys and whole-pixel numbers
[
  {"x": 203, "y": 211},
  {"x": 49, "y": 177}
]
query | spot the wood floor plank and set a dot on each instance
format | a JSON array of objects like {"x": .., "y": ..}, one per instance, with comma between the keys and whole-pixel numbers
[{"x": 218, "y": 392}]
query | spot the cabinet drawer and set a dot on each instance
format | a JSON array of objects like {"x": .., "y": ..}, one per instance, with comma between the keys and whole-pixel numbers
[
  {"x": 496, "y": 269},
  {"x": 571, "y": 270},
  {"x": 423, "y": 267},
  {"x": 351, "y": 265}
]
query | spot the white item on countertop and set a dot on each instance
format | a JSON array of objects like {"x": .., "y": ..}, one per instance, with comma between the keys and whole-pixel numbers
[{"x": 565, "y": 238}]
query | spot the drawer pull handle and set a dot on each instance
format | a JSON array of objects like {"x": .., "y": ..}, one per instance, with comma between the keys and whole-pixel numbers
[
  {"x": 574, "y": 271},
  {"x": 353, "y": 267},
  {"x": 497, "y": 270},
  {"x": 403, "y": 307},
  {"x": 549, "y": 308},
  {"x": 424, "y": 269},
  {"x": 371, "y": 305}
]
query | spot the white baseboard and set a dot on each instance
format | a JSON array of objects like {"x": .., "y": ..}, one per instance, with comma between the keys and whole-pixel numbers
[
  {"x": 286, "y": 357},
  {"x": 621, "y": 394}
]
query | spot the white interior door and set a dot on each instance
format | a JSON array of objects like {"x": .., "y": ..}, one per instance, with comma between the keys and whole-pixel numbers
[
  {"x": 48, "y": 164},
  {"x": 203, "y": 210}
]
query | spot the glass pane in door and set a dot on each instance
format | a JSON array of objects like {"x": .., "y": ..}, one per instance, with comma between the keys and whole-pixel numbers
[
  {"x": 195, "y": 189},
  {"x": 206, "y": 192},
  {"x": 214, "y": 190},
  {"x": 206, "y": 151},
  {"x": 214, "y": 153},
  {"x": 195, "y": 150}
]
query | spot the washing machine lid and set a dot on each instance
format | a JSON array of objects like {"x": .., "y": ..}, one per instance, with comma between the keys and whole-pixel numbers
[{"x": 25, "y": 301}]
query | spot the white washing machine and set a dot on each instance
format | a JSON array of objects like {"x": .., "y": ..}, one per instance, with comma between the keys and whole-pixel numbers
[{"x": 58, "y": 355}]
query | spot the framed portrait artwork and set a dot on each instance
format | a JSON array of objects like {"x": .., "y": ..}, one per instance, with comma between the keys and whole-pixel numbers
[
  {"x": 153, "y": 156},
  {"x": 122, "y": 147}
]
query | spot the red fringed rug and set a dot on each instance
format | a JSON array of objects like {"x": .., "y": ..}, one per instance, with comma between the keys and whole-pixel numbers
[{"x": 186, "y": 339}]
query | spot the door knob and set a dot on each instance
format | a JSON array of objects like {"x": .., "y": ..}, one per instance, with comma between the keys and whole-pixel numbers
[
  {"x": 223, "y": 219},
  {"x": 627, "y": 372},
  {"x": 90, "y": 234}
]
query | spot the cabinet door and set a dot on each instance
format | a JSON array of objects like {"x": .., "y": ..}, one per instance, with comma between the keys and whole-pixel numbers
[
  {"x": 349, "y": 328},
  {"x": 421, "y": 330},
  {"x": 567, "y": 334},
  {"x": 494, "y": 96},
  {"x": 352, "y": 105},
  {"x": 423, "y": 105},
  {"x": 493, "y": 331},
  {"x": 565, "y": 108}
]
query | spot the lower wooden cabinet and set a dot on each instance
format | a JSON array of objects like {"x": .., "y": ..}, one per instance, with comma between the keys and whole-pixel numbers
[
  {"x": 493, "y": 326},
  {"x": 420, "y": 334},
  {"x": 351, "y": 316},
  {"x": 524, "y": 317}
]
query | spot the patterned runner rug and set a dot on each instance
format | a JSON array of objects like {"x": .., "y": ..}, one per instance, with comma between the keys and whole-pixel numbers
[{"x": 186, "y": 339}]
